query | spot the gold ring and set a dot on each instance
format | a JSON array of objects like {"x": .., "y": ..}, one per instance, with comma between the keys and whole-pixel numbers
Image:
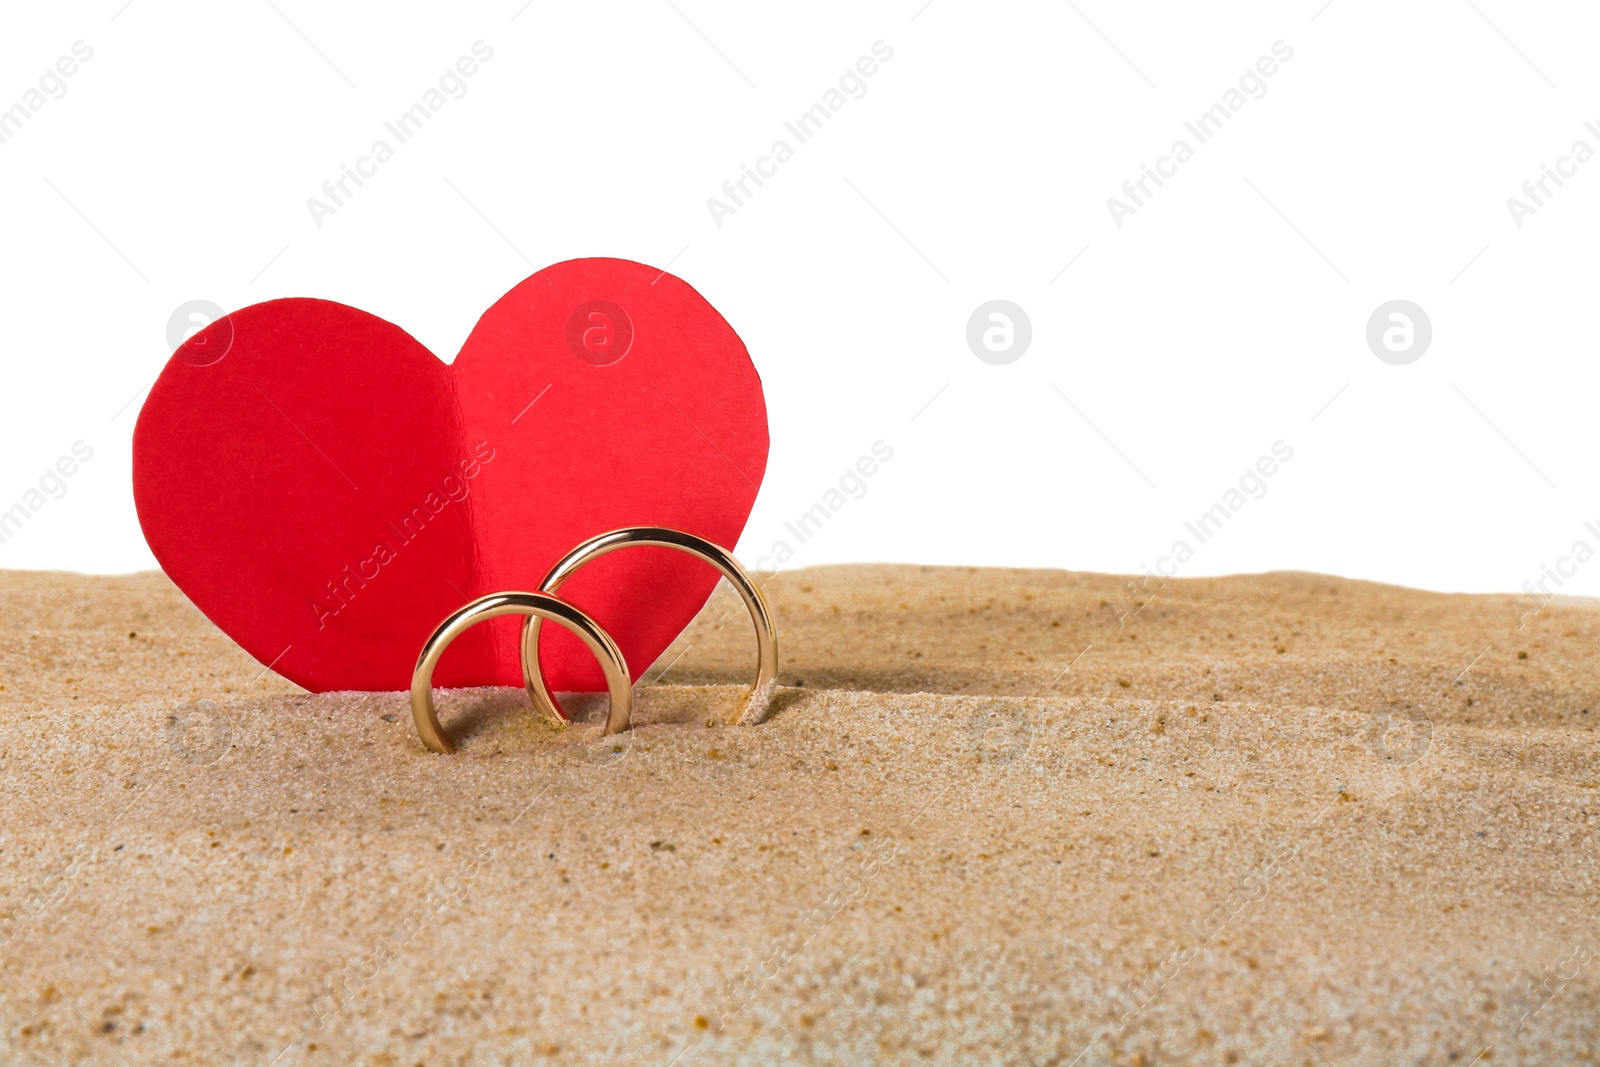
[
  {"x": 756, "y": 703},
  {"x": 535, "y": 606}
]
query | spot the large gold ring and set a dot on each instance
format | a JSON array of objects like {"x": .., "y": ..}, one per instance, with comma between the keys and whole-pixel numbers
[
  {"x": 534, "y": 606},
  {"x": 756, "y": 703}
]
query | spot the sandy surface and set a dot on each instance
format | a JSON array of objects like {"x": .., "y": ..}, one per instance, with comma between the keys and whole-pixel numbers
[{"x": 1028, "y": 817}]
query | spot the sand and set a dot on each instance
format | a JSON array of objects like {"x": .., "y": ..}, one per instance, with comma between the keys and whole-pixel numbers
[{"x": 1031, "y": 817}]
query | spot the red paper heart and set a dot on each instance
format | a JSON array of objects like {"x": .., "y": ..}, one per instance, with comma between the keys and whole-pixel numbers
[{"x": 327, "y": 491}]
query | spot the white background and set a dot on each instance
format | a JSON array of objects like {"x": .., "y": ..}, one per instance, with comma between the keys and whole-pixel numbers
[{"x": 1222, "y": 317}]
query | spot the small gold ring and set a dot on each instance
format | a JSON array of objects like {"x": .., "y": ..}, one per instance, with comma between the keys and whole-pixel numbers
[
  {"x": 534, "y": 606},
  {"x": 756, "y": 703}
]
